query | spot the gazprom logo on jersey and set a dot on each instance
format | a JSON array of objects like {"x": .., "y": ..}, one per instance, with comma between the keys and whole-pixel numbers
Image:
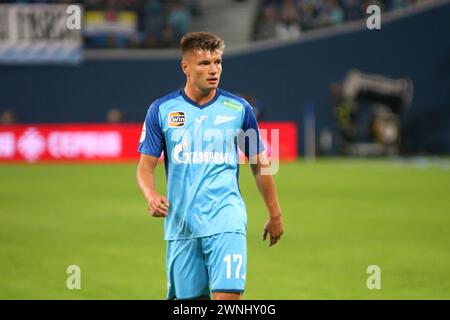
[
  {"x": 212, "y": 145},
  {"x": 180, "y": 157},
  {"x": 177, "y": 119},
  {"x": 182, "y": 153}
]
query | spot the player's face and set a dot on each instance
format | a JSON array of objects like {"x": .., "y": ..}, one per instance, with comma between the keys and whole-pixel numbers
[{"x": 203, "y": 69}]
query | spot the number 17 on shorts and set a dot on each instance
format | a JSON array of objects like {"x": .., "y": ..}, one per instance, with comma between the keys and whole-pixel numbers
[{"x": 228, "y": 260}]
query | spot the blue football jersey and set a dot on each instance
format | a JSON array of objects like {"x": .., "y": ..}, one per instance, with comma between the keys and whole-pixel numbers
[{"x": 200, "y": 145}]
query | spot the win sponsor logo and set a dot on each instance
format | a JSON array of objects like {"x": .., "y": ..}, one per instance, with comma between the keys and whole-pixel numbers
[{"x": 177, "y": 119}]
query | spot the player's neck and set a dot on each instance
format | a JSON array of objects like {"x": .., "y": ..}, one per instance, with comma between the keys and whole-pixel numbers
[{"x": 198, "y": 96}]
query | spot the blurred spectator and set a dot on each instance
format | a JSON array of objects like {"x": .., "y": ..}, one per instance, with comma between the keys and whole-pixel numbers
[
  {"x": 267, "y": 24},
  {"x": 179, "y": 19},
  {"x": 289, "y": 25},
  {"x": 153, "y": 22},
  {"x": 326, "y": 142},
  {"x": 344, "y": 112},
  {"x": 308, "y": 15},
  {"x": 115, "y": 116},
  {"x": 336, "y": 13},
  {"x": 352, "y": 9},
  {"x": 7, "y": 117},
  {"x": 396, "y": 4}
]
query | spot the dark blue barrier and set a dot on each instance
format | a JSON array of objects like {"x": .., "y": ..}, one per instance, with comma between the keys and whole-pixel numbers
[{"x": 284, "y": 78}]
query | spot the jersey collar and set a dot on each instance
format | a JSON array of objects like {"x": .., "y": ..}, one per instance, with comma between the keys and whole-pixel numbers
[{"x": 201, "y": 106}]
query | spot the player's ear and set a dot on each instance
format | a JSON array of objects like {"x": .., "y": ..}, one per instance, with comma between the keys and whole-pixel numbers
[{"x": 184, "y": 67}]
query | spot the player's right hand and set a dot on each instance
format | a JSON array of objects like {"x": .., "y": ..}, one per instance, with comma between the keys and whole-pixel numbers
[{"x": 158, "y": 205}]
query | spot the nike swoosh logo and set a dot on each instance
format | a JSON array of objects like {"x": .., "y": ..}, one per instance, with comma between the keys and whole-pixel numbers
[{"x": 223, "y": 119}]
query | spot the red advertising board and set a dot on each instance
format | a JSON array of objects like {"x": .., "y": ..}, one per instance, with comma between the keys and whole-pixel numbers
[{"x": 105, "y": 142}]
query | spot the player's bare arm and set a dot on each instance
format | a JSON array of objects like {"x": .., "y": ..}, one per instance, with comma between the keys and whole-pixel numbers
[
  {"x": 157, "y": 204},
  {"x": 266, "y": 186}
]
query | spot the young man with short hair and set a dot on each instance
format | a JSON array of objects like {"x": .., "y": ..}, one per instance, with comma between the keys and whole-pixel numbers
[{"x": 199, "y": 128}]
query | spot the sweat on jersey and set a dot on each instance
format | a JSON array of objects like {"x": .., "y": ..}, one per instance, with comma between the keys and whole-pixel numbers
[{"x": 200, "y": 144}]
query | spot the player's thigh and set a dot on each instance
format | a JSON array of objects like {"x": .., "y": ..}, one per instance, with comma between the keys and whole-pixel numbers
[
  {"x": 186, "y": 270},
  {"x": 226, "y": 256}
]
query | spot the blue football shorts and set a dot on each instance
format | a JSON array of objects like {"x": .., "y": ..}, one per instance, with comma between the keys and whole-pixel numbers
[{"x": 196, "y": 267}]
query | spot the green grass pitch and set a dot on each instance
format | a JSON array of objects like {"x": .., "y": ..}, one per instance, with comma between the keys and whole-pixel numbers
[{"x": 340, "y": 217}]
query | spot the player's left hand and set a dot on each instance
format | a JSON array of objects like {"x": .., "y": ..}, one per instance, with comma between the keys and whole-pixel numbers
[{"x": 274, "y": 227}]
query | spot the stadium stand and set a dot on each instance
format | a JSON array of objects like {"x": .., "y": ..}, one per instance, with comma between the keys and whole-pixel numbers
[
  {"x": 123, "y": 24},
  {"x": 286, "y": 19}
]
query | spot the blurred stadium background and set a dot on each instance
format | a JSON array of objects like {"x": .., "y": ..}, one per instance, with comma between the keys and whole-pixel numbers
[{"x": 364, "y": 120}]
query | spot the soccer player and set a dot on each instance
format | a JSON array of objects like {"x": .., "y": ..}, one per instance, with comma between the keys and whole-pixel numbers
[{"x": 200, "y": 128}]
